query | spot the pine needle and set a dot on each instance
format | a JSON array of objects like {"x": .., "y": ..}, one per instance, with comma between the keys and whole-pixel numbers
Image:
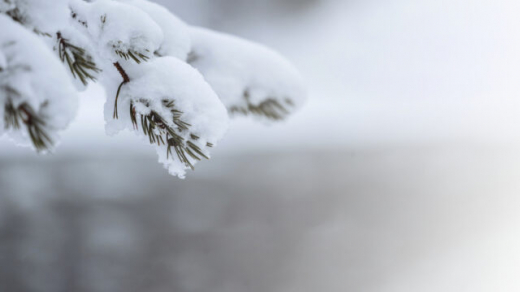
[
  {"x": 134, "y": 55},
  {"x": 270, "y": 108},
  {"x": 79, "y": 61},
  {"x": 161, "y": 133},
  {"x": 24, "y": 114}
]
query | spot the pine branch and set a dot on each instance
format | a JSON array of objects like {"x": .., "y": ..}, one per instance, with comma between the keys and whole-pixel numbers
[
  {"x": 160, "y": 132},
  {"x": 16, "y": 15},
  {"x": 126, "y": 79},
  {"x": 79, "y": 61},
  {"x": 24, "y": 114},
  {"x": 134, "y": 55},
  {"x": 10, "y": 116},
  {"x": 270, "y": 108}
]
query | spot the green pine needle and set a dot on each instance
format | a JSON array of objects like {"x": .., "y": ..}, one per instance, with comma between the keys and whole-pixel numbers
[
  {"x": 24, "y": 114},
  {"x": 79, "y": 61},
  {"x": 270, "y": 108},
  {"x": 134, "y": 55},
  {"x": 161, "y": 133}
]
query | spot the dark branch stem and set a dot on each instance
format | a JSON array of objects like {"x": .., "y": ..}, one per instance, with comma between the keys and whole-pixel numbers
[
  {"x": 122, "y": 72},
  {"x": 126, "y": 79}
]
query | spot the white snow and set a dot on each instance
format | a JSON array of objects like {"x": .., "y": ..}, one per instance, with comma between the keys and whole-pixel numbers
[
  {"x": 31, "y": 69},
  {"x": 43, "y": 15},
  {"x": 171, "y": 79},
  {"x": 115, "y": 26},
  {"x": 6, "y": 6},
  {"x": 244, "y": 73},
  {"x": 177, "y": 41}
]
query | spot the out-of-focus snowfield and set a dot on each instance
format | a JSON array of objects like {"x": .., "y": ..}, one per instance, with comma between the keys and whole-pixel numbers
[{"x": 401, "y": 173}]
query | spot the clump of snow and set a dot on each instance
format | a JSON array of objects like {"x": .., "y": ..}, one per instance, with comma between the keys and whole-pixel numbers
[
  {"x": 245, "y": 74},
  {"x": 44, "y": 16},
  {"x": 177, "y": 41},
  {"x": 31, "y": 74},
  {"x": 116, "y": 26},
  {"x": 169, "y": 79}
]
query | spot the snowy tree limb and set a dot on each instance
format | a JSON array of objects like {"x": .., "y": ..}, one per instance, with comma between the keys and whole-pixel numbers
[{"x": 179, "y": 83}]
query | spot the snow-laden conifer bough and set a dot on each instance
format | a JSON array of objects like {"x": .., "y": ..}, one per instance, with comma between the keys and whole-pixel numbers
[{"x": 173, "y": 84}]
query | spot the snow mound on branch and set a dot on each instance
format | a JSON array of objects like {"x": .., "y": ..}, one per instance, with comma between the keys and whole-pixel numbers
[
  {"x": 177, "y": 42},
  {"x": 116, "y": 26},
  {"x": 28, "y": 75},
  {"x": 169, "y": 79},
  {"x": 249, "y": 78}
]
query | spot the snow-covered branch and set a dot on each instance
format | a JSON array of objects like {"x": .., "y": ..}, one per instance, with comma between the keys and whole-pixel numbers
[{"x": 173, "y": 84}]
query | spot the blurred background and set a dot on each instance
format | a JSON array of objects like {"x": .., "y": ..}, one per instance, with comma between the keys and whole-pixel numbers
[{"x": 400, "y": 174}]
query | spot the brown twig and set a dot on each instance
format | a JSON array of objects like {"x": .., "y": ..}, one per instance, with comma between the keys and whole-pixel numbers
[{"x": 126, "y": 79}]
